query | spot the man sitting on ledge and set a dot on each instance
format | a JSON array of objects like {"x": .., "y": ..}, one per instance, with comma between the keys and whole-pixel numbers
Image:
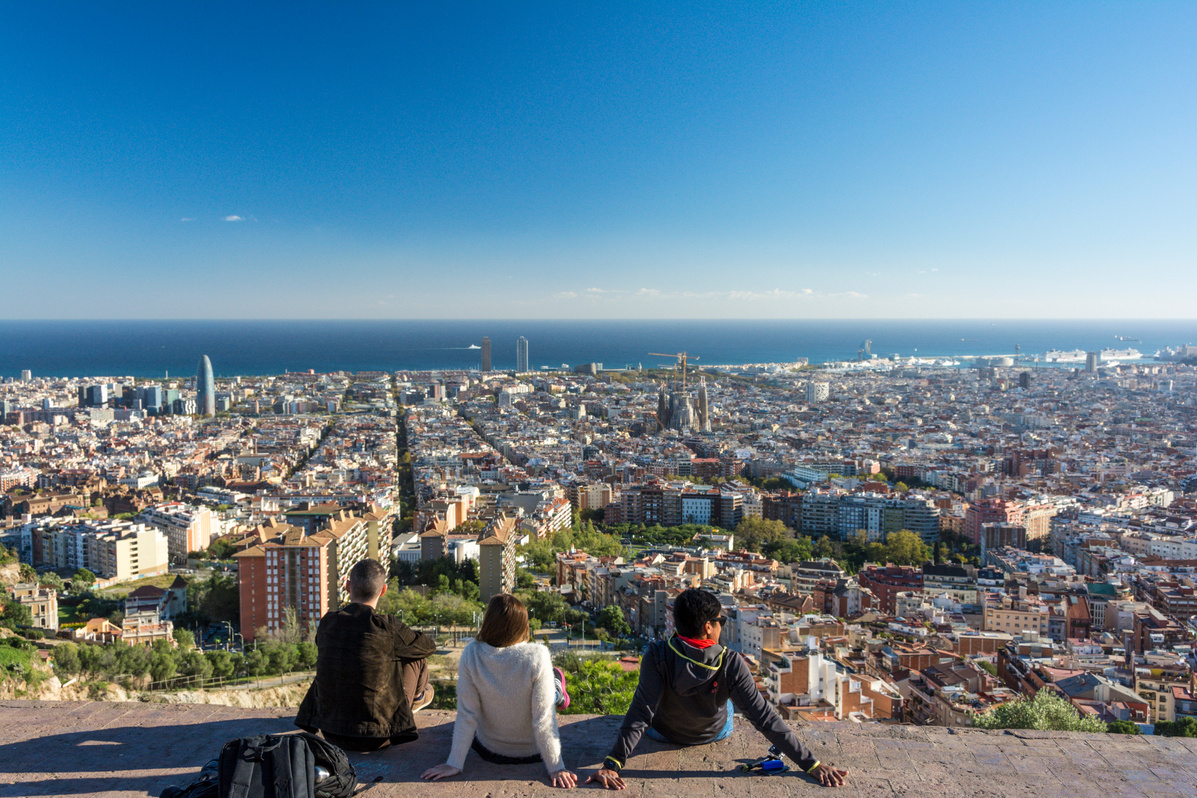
[
  {"x": 371, "y": 671},
  {"x": 687, "y": 687}
]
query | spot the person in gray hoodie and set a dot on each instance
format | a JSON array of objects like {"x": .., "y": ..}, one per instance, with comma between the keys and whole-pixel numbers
[{"x": 688, "y": 686}]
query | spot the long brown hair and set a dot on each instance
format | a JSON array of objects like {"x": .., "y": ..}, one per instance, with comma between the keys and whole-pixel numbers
[{"x": 505, "y": 622}]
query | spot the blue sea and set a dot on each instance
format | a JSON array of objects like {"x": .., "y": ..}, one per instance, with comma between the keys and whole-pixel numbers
[{"x": 154, "y": 348}]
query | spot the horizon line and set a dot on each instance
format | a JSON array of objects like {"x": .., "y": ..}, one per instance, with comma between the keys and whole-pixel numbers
[{"x": 575, "y": 319}]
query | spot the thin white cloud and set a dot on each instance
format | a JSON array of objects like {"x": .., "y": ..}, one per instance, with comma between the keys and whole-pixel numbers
[
  {"x": 234, "y": 218},
  {"x": 187, "y": 219},
  {"x": 768, "y": 295}
]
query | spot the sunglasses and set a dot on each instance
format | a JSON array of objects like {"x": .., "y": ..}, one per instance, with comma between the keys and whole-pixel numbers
[{"x": 721, "y": 620}]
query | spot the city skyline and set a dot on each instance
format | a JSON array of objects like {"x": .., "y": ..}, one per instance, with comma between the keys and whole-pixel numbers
[{"x": 675, "y": 162}]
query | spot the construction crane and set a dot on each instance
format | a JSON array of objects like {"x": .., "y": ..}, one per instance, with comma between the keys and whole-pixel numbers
[{"x": 681, "y": 361}]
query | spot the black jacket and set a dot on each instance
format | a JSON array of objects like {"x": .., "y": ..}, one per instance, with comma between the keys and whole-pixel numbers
[
  {"x": 683, "y": 694},
  {"x": 358, "y": 689}
]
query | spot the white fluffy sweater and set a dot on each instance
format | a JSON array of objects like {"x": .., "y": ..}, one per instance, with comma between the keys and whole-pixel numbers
[{"x": 505, "y": 697}]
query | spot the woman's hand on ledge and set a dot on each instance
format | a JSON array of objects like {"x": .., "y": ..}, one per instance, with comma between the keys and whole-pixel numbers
[
  {"x": 440, "y": 772},
  {"x": 563, "y": 779}
]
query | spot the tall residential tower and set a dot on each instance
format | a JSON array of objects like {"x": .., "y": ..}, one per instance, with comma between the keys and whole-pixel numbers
[
  {"x": 485, "y": 353},
  {"x": 521, "y": 355}
]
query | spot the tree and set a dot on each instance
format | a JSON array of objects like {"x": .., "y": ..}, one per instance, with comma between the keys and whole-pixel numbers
[
  {"x": 611, "y": 618},
  {"x": 789, "y": 551},
  {"x": 66, "y": 658},
  {"x": 599, "y": 687},
  {"x": 84, "y": 576},
  {"x": 307, "y": 654},
  {"x": 826, "y": 548},
  {"x": 546, "y": 605},
  {"x": 1186, "y": 727},
  {"x": 289, "y": 633},
  {"x": 255, "y": 661},
  {"x": 15, "y": 615},
  {"x": 51, "y": 580},
  {"x": 1123, "y": 727},
  {"x": 906, "y": 548},
  {"x": 222, "y": 548},
  {"x": 185, "y": 639},
  {"x": 221, "y": 662},
  {"x": 753, "y": 534},
  {"x": 215, "y": 600},
  {"x": 539, "y": 554},
  {"x": 194, "y": 663},
  {"x": 1045, "y": 712},
  {"x": 162, "y": 664}
]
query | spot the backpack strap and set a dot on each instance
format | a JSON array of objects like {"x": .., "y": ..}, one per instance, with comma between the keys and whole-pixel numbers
[
  {"x": 245, "y": 764},
  {"x": 242, "y": 755}
]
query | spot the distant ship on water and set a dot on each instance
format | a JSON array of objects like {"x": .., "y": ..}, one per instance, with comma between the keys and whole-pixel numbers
[
  {"x": 1078, "y": 355},
  {"x": 473, "y": 346},
  {"x": 1120, "y": 354}
]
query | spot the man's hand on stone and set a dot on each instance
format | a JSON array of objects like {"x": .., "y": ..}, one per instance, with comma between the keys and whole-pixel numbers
[
  {"x": 608, "y": 778},
  {"x": 829, "y": 776}
]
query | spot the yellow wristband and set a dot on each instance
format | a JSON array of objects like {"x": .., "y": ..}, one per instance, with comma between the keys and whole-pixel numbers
[{"x": 811, "y": 769}]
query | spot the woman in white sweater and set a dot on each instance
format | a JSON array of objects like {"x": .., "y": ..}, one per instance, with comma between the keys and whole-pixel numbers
[{"x": 507, "y": 694}]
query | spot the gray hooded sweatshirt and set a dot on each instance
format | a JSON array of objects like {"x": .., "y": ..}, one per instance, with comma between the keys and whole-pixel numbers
[{"x": 683, "y": 694}]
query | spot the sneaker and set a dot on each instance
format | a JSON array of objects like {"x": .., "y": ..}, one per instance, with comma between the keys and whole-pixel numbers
[
  {"x": 423, "y": 699},
  {"x": 564, "y": 702}
]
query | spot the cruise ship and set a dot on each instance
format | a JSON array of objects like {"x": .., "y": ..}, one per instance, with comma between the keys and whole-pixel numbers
[
  {"x": 1064, "y": 356},
  {"x": 1078, "y": 355}
]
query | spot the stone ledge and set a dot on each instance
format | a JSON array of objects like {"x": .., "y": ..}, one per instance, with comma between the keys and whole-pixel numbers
[{"x": 131, "y": 749}]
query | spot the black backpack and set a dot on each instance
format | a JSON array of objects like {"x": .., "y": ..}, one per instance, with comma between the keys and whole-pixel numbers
[{"x": 274, "y": 766}]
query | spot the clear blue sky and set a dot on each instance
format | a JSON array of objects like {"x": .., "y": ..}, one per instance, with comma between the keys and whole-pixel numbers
[{"x": 556, "y": 160}]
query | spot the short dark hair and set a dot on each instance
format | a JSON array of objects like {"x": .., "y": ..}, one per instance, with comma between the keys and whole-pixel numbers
[
  {"x": 505, "y": 622},
  {"x": 366, "y": 580},
  {"x": 693, "y": 609}
]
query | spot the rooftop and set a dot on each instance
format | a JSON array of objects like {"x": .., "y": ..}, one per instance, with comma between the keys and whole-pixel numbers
[{"x": 133, "y": 749}]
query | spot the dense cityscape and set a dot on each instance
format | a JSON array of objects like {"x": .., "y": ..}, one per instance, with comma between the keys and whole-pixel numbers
[{"x": 893, "y": 541}]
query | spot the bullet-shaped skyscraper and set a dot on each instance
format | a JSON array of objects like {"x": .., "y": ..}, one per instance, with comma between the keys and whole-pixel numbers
[
  {"x": 521, "y": 355},
  {"x": 205, "y": 388},
  {"x": 485, "y": 353}
]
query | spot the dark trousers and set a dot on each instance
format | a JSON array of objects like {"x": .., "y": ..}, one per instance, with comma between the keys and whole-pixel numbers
[
  {"x": 501, "y": 759},
  {"x": 415, "y": 682}
]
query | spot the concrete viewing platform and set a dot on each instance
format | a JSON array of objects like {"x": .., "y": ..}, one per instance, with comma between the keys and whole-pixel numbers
[{"x": 134, "y": 749}]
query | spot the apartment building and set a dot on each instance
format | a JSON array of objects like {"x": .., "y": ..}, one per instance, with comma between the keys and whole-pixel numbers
[
  {"x": 496, "y": 557},
  {"x": 114, "y": 550},
  {"x": 285, "y": 568},
  {"x": 842, "y": 514},
  {"x": 187, "y": 528},
  {"x": 1014, "y": 614}
]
